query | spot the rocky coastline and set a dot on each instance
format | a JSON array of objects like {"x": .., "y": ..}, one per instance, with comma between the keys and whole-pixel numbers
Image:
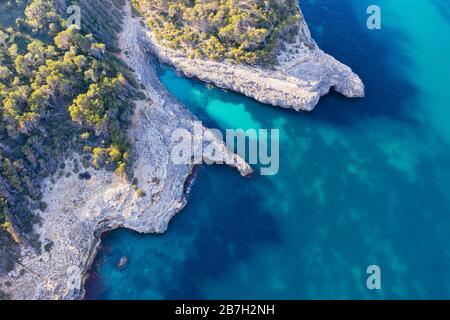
[
  {"x": 302, "y": 75},
  {"x": 81, "y": 210}
]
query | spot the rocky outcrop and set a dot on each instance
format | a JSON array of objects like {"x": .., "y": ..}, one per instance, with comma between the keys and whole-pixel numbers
[
  {"x": 80, "y": 210},
  {"x": 304, "y": 73}
]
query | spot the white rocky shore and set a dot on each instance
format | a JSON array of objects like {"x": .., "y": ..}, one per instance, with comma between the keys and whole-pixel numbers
[
  {"x": 79, "y": 211},
  {"x": 303, "y": 75}
]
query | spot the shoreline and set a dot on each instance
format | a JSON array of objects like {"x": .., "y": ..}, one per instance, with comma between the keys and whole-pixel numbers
[
  {"x": 297, "y": 82},
  {"x": 191, "y": 177},
  {"x": 188, "y": 185},
  {"x": 81, "y": 211}
]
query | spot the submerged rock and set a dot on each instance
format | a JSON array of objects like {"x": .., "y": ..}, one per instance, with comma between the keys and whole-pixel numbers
[{"x": 123, "y": 262}]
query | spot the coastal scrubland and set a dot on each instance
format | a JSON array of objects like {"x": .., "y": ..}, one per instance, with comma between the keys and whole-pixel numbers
[
  {"x": 62, "y": 91},
  {"x": 240, "y": 31}
]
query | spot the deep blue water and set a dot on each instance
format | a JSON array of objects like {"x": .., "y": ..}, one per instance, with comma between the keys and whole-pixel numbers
[{"x": 361, "y": 182}]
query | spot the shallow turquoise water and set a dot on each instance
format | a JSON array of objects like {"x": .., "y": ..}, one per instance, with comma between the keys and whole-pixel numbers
[{"x": 361, "y": 182}]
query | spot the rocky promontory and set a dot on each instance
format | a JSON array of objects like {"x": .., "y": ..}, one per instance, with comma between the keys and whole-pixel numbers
[{"x": 302, "y": 74}]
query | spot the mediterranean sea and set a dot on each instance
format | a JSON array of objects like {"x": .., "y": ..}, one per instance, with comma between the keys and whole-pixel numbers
[{"x": 361, "y": 182}]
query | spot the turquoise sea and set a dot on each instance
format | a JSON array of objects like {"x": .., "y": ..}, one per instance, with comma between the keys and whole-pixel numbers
[{"x": 361, "y": 182}]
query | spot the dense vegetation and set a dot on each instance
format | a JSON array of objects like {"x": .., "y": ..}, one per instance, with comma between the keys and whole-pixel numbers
[
  {"x": 61, "y": 91},
  {"x": 246, "y": 31},
  {"x": 102, "y": 18}
]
